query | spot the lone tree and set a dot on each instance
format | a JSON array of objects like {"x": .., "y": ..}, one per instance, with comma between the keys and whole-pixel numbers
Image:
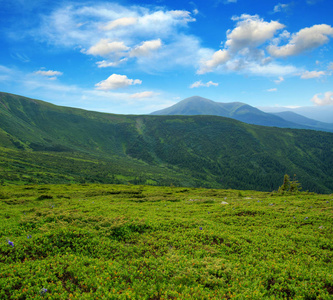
[
  {"x": 290, "y": 186},
  {"x": 286, "y": 184},
  {"x": 295, "y": 186}
]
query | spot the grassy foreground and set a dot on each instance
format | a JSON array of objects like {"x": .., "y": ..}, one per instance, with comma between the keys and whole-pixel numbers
[{"x": 142, "y": 242}]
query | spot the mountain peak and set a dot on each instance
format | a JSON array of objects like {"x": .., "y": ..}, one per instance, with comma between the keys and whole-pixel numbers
[
  {"x": 196, "y": 98},
  {"x": 197, "y": 105}
]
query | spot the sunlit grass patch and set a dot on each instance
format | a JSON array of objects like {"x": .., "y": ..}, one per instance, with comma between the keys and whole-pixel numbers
[{"x": 143, "y": 242}]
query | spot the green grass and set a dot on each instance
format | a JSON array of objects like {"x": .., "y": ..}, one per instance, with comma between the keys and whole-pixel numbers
[{"x": 94, "y": 241}]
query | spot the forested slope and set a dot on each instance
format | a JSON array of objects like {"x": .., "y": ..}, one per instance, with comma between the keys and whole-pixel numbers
[{"x": 41, "y": 142}]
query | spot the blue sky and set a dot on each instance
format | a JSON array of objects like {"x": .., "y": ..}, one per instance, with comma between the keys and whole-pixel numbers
[{"x": 135, "y": 57}]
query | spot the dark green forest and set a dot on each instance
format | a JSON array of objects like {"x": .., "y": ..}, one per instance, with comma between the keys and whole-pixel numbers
[{"x": 45, "y": 143}]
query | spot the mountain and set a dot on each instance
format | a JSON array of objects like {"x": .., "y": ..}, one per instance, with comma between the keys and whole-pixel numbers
[
  {"x": 235, "y": 110},
  {"x": 319, "y": 113},
  {"x": 299, "y": 119},
  {"x": 45, "y": 143}
]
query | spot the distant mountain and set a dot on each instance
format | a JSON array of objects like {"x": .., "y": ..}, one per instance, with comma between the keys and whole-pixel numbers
[
  {"x": 235, "y": 110},
  {"x": 45, "y": 143},
  {"x": 318, "y": 113},
  {"x": 299, "y": 119}
]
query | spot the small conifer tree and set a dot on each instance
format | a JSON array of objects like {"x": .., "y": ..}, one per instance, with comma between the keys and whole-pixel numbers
[
  {"x": 286, "y": 184},
  {"x": 295, "y": 186},
  {"x": 289, "y": 186}
]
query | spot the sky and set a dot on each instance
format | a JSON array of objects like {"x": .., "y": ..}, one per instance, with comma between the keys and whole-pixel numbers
[{"x": 136, "y": 57}]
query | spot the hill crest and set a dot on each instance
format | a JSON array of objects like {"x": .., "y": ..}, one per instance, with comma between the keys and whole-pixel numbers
[
  {"x": 239, "y": 111},
  {"x": 45, "y": 143}
]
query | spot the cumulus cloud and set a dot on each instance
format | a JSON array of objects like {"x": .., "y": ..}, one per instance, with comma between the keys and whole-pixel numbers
[
  {"x": 241, "y": 45},
  {"x": 327, "y": 99},
  {"x": 142, "y": 95},
  {"x": 50, "y": 74},
  {"x": 106, "y": 46},
  {"x": 271, "y": 90},
  {"x": 110, "y": 29},
  {"x": 251, "y": 31},
  {"x": 116, "y": 81},
  {"x": 146, "y": 48},
  {"x": 306, "y": 39},
  {"x": 312, "y": 74},
  {"x": 201, "y": 84},
  {"x": 218, "y": 58},
  {"x": 121, "y": 22}
]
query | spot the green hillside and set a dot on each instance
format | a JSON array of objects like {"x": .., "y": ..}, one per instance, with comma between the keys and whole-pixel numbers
[{"x": 44, "y": 143}]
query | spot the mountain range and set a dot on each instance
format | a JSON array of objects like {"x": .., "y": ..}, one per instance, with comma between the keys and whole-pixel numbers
[
  {"x": 44, "y": 143},
  {"x": 243, "y": 112},
  {"x": 323, "y": 113}
]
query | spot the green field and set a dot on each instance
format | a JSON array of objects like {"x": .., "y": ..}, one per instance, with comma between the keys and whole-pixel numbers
[{"x": 94, "y": 241}]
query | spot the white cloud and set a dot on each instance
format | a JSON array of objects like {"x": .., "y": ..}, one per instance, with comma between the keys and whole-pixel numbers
[
  {"x": 241, "y": 49},
  {"x": 201, "y": 84},
  {"x": 279, "y": 80},
  {"x": 182, "y": 51},
  {"x": 146, "y": 48},
  {"x": 280, "y": 7},
  {"x": 272, "y": 90},
  {"x": 106, "y": 63},
  {"x": 121, "y": 22},
  {"x": 183, "y": 15},
  {"x": 50, "y": 74},
  {"x": 105, "y": 47},
  {"x": 61, "y": 26},
  {"x": 306, "y": 39},
  {"x": 114, "y": 101},
  {"x": 283, "y": 36},
  {"x": 312, "y": 74},
  {"x": 326, "y": 100},
  {"x": 271, "y": 69},
  {"x": 218, "y": 58},
  {"x": 116, "y": 81},
  {"x": 116, "y": 32},
  {"x": 251, "y": 31},
  {"x": 330, "y": 66},
  {"x": 142, "y": 95}
]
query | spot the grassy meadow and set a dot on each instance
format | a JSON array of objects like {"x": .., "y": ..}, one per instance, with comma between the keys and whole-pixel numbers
[{"x": 94, "y": 241}]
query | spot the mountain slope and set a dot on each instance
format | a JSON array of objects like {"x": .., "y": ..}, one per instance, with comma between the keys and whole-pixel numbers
[
  {"x": 299, "y": 119},
  {"x": 41, "y": 142},
  {"x": 319, "y": 113},
  {"x": 235, "y": 110},
  {"x": 195, "y": 106}
]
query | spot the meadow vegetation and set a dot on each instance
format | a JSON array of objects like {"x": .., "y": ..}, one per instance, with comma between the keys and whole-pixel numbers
[{"x": 101, "y": 241}]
